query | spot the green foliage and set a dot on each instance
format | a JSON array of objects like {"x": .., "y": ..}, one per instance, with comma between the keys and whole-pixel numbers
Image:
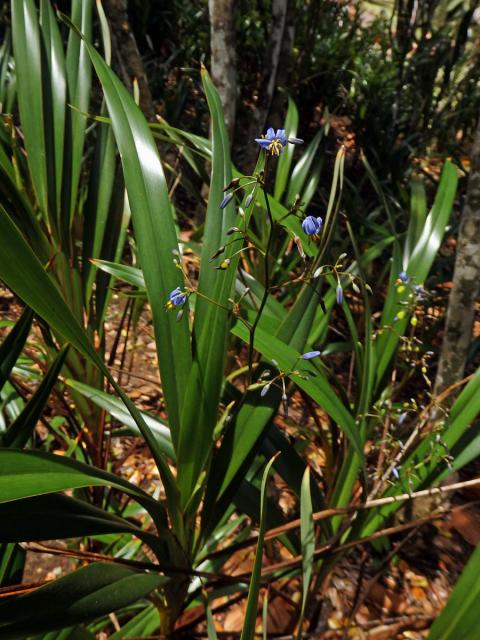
[{"x": 459, "y": 619}]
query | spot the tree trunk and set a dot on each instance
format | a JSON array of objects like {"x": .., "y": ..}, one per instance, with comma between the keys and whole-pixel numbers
[
  {"x": 223, "y": 68},
  {"x": 127, "y": 58},
  {"x": 466, "y": 282}
]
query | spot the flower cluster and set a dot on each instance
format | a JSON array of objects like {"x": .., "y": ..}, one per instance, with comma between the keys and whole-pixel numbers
[{"x": 275, "y": 141}]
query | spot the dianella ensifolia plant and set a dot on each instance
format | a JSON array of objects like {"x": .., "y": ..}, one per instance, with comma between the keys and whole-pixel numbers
[
  {"x": 263, "y": 281},
  {"x": 60, "y": 183}
]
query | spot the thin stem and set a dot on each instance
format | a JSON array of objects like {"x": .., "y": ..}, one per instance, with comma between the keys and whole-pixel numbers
[{"x": 267, "y": 279}]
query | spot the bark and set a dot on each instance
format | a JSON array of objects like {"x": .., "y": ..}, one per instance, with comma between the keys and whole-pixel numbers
[
  {"x": 223, "y": 67},
  {"x": 466, "y": 282},
  {"x": 126, "y": 56}
]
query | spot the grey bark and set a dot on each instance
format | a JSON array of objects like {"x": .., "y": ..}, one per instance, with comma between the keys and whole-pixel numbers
[
  {"x": 223, "y": 59},
  {"x": 126, "y": 56},
  {"x": 466, "y": 282}
]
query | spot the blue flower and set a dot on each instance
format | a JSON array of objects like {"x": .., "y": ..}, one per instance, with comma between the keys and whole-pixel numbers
[
  {"x": 274, "y": 141},
  {"x": 311, "y": 354},
  {"x": 177, "y": 298},
  {"x": 403, "y": 277},
  {"x": 312, "y": 226}
]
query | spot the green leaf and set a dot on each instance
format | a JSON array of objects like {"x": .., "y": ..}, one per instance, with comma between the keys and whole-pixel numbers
[
  {"x": 32, "y": 473},
  {"x": 144, "y": 624},
  {"x": 28, "y": 54},
  {"x": 12, "y": 346},
  {"x": 317, "y": 385},
  {"x": 212, "y": 633},
  {"x": 418, "y": 213},
  {"x": 248, "y": 630},
  {"x": 82, "y": 596},
  {"x": 33, "y": 284},
  {"x": 131, "y": 275},
  {"x": 459, "y": 619},
  {"x": 418, "y": 267},
  {"x": 56, "y": 516},
  {"x": 21, "y": 429},
  {"x": 300, "y": 172},
  {"x": 284, "y": 162},
  {"x": 12, "y": 563},
  {"x": 211, "y": 322},
  {"x": 97, "y": 206},
  {"x": 55, "y": 96},
  {"x": 433, "y": 230},
  {"x": 154, "y": 230},
  {"x": 307, "y": 538},
  {"x": 79, "y": 78},
  {"x": 116, "y": 408}
]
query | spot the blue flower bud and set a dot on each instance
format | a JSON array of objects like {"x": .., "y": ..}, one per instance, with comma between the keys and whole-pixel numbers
[
  {"x": 339, "y": 294},
  {"x": 248, "y": 200},
  {"x": 226, "y": 200},
  {"x": 403, "y": 277},
  {"x": 311, "y": 354}
]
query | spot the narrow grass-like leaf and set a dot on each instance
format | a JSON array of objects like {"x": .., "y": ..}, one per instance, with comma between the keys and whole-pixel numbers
[
  {"x": 97, "y": 206},
  {"x": 418, "y": 213},
  {"x": 316, "y": 385},
  {"x": 21, "y": 430},
  {"x": 144, "y": 624},
  {"x": 12, "y": 563},
  {"x": 12, "y": 346},
  {"x": 418, "y": 267},
  {"x": 28, "y": 58},
  {"x": 155, "y": 232},
  {"x": 248, "y": 630},
  {"x": 132, "y": 275},
  {"x": 55, "y": 95},
  {"x": 459, "y": 619},
  {"x": 116, "y": 408},
  {"x": 285, "y": 160},
  {"x": 79, "y": 78},
  {"x": 307, "y": 538},
  {"x": 210, "y": 328},
  {"x": 212, "y": 633},
  {"x": 300, "y": 172}
]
